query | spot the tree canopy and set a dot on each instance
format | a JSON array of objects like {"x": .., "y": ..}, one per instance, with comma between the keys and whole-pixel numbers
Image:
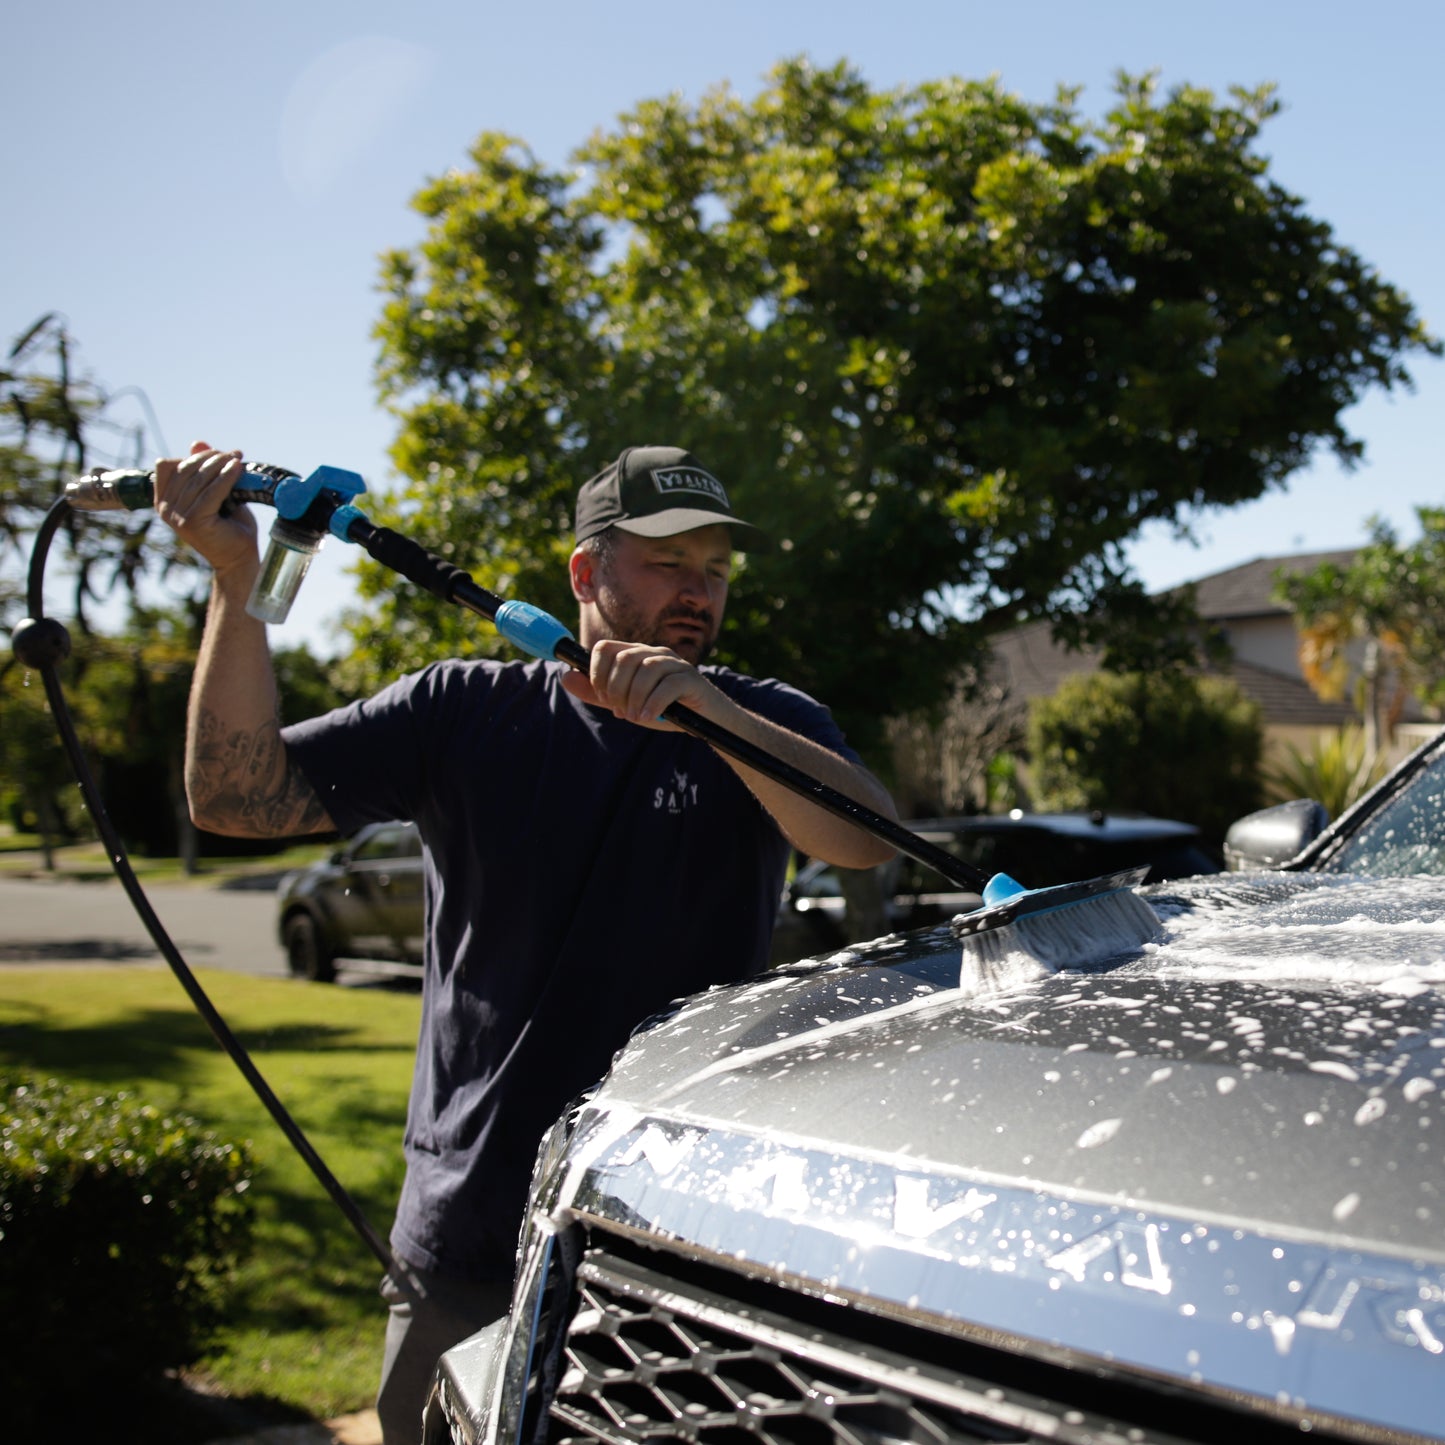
[
  {"x": 952, "y": 348},
  {"x": 128, "y": 691}
]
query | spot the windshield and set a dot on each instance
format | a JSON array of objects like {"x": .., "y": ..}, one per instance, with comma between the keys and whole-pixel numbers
[{"x": 1405, "y": 836}]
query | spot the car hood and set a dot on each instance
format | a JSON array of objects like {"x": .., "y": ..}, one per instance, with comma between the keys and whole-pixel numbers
[
  {"x": 1218, "y": 1154},
  {"x": 1278, "y": 1059}
]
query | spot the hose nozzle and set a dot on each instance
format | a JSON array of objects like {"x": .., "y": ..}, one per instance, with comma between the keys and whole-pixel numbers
[
  {"x": 116, "y": 491},
  {"x": 306, "y": 510}
]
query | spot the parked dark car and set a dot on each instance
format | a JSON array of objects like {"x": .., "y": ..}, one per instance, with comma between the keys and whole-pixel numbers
[
  {"x": 365, "y": 902},
  {"x": 1189, "y": 1192},
  {"x": 1039, "y": 849}
]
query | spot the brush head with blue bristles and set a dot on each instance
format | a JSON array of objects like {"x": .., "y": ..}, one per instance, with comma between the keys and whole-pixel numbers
[{"x": 1022, "y": 934}]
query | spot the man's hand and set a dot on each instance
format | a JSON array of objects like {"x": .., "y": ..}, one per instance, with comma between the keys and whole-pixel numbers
[
  {"x": 189, "y": 496},
  {"x": 637, "y": 683}
]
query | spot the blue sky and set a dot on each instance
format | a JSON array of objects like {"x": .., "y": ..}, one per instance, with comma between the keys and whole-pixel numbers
[{"x": 203, "y": 190}]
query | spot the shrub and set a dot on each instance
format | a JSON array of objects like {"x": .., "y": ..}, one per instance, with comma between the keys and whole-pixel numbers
[
  {"x": 119, "y": 1228},
  {"x": 1168, "y": 743},
  {"x": 1336, "y": 771}
]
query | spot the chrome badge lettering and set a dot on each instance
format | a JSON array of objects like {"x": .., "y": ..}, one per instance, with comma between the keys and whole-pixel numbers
[
  {"x": 917, "y": 1217},
  {"x": 1131, "y": 1254},
  {"x": 789, "y": 1176},
  {"x": 1406, "y": 1311},
  {"x": 663, "y": 1155}
]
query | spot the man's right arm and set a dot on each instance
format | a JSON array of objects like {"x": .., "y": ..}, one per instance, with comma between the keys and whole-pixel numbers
[{"x": 240, "y": 780}]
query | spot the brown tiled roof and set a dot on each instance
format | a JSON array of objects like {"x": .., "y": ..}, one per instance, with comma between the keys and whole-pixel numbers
[
  {"x": 1244, "y": 591},
  {"x": 1287, "y": 700}
]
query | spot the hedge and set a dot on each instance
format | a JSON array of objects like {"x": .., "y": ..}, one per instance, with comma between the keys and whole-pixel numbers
[{"x": 120, "y": 1227}]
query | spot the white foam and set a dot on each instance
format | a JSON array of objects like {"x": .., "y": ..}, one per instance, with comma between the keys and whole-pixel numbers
[{"x": 1321, "y": 935}]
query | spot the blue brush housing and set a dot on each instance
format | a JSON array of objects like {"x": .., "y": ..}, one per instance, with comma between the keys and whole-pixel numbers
[{"x": 1000, "y": 888}]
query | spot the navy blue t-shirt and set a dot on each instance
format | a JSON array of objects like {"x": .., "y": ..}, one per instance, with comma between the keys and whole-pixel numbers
[{"x": 581, "y": 873}]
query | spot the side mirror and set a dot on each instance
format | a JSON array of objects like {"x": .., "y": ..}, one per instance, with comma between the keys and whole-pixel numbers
[{"x": 1273, "y": 836}]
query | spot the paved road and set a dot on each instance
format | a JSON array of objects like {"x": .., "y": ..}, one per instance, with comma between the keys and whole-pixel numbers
[{"x": 70, "y": 922}]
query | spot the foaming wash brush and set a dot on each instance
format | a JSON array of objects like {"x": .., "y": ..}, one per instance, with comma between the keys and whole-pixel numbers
[{"x": 1022, "y": 934}]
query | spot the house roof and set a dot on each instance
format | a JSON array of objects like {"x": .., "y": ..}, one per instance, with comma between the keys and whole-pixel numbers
[
  {"x": 1287, "y": 701},
  {"x": 1245, "y": 591},
  {"x": 1031, "y": 664}
]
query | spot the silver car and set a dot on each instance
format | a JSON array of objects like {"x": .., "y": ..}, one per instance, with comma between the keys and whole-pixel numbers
[
  {"x": 1192, "y": 1193},
  {"x": 364, "y": 904}
]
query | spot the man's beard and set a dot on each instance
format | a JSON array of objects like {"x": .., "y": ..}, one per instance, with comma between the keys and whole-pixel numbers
[{"x": 625, "y": 623}]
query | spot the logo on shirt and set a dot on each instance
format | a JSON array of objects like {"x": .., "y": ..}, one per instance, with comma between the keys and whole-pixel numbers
[
  {"x": 677, "y": 796},
  {"x": 689, "y": 479}
]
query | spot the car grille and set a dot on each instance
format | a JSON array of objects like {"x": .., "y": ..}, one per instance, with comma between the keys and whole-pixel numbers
[{"x": 708, "y": 1358}]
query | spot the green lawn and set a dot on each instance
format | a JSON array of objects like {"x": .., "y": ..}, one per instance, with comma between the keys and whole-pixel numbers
[{"x": 306, "y": 1324}]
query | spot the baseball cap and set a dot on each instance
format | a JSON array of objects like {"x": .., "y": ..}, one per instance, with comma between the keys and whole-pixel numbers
[{"x": 658, "y": 492}]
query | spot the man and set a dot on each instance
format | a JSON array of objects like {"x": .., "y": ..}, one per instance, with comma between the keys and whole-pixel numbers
[{"x": 585, "y": 862}]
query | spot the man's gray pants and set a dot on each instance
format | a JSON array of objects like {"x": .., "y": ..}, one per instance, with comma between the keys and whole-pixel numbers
[{"x": 429, "y": 1314}]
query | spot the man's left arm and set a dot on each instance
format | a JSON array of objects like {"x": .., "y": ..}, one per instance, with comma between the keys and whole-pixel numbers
[
  {"x": 639, "y": 683},
  {"x": 816, "y": 831}
]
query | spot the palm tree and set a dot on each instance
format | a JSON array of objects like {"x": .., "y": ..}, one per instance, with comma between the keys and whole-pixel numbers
[{"x": 1360, "y": 628}]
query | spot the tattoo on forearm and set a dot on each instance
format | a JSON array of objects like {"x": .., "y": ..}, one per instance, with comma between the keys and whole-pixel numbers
[{"x": 245, "y": 782}]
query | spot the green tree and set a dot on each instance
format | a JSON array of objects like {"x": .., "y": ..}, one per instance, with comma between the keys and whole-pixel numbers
[
  {"x": 127, "y": 695},
  {"x": 36, "y": 781},
  {"x": 57, "y": 422},
  {"x": 127, "y": 692},
  {"x": 1425, "y": 644},
  {"x": 953, "y": 348},
  {"x": 1166, "y": 743},
  {"x": 1375, "y": 629},
  {"x": 43, "y": 413}
]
